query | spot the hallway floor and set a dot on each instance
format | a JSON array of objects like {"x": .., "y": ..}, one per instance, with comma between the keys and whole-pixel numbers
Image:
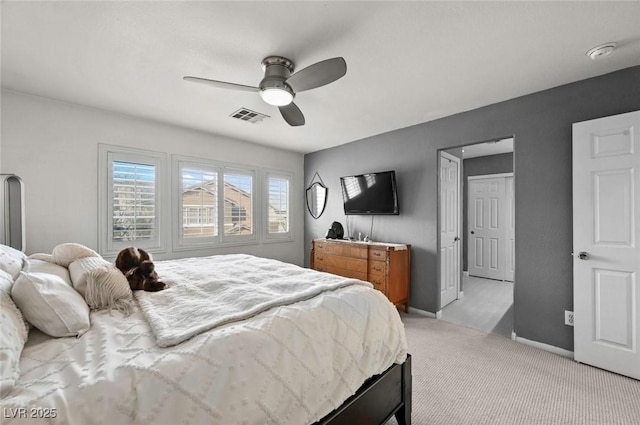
[{"x": 487, "y": 305}]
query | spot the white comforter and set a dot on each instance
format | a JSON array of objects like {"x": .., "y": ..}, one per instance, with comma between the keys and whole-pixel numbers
[
  {"x": 205, "y": 292},
  {"x": 288, "y": 365}
]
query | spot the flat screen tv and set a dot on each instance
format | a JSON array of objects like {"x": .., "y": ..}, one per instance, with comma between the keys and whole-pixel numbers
[{"x": 373, "y": 193}]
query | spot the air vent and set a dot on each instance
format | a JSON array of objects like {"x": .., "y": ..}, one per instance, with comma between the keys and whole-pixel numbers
[{"x": 248, "y": 115}]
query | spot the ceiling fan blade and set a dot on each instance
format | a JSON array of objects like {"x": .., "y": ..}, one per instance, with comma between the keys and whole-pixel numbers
[
  {"x": 221, "y": 84},
  {"x": 292, "y": 114},
  {"x": 318, "y": 74}
]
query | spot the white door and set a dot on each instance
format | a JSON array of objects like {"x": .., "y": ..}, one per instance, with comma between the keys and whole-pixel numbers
[
  {"x": 490, "y": 207},
  {"x": 450, "y": 246},
  {"x": 606, "y": 238}
]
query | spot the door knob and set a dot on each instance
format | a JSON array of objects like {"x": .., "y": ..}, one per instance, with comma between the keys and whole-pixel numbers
[
  {"x": 583, "y": 255},
  {"x": 456, "y": 239},
  {"x": 473, "y": 233}
]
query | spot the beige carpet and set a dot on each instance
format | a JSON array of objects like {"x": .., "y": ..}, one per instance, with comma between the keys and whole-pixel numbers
[{"x": 464, "y": 376}]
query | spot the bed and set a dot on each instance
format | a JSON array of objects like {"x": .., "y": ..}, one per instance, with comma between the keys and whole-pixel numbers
[{"x": 335, "y": 353}]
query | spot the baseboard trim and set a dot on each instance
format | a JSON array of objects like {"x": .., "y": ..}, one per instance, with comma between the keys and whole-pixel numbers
[
  {"x": 424, "y": 313},
  {"x": 551, "y": 348}
]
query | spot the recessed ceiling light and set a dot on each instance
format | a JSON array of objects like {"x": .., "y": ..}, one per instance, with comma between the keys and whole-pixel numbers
[{"x": 601, "y": 51}]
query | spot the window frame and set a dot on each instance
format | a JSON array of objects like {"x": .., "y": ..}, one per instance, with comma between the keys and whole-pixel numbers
[
  {"x": 267, "y": 236},
  {"x": 107, "y": 155},
  {"x": 180, "y": 243}
]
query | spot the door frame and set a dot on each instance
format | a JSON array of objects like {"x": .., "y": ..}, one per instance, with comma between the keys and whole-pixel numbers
[
  {"x": 438, "y": 313},
  {"x": 444, "y": 153}
]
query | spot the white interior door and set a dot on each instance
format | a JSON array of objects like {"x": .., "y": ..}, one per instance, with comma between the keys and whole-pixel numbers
[
  {"x": 490, "y": 218},
  {"x": 450, "y": 246},
  {"x": 606, "y": 223}
]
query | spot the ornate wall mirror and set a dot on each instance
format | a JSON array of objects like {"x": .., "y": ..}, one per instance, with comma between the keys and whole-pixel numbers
[{"x": 316, "y": 195}]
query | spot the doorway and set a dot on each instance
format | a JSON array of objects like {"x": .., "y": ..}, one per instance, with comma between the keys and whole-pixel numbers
[{"x": 482, "y": 301}]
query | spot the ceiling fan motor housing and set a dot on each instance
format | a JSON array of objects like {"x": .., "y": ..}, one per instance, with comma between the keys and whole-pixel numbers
[{"x": 276, "y": 70}]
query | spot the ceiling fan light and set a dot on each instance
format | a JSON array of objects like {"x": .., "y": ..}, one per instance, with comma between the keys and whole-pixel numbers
[{"x": 276, "y": 96}]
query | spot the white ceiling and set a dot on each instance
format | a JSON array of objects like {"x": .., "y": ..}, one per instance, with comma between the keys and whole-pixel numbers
[
  {"x": 408, "y": 62},
  {"x": 488, "y": 148}
]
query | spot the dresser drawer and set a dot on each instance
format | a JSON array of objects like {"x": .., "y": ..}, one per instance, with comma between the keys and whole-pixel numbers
[
  {"x": 377, "y": 254},
  {"x": 358, "y": 265},
  {"x": 378, "y": 283},
  {"x": 319, "y": 257},
  {"x": 354, "y": 274},
  {"x": 377, "y": 268},
  {"x": 345, "y": 250},
  {"x": 355, "y": 268}
]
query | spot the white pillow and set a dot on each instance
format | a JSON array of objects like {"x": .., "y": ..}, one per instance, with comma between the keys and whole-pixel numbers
[
  {"x": 12, "y": 337},
  {"x": 50, "y": 304},
  {"x": 79, "y": 269},
  {"x": 39, "y": 266},
  {"x": 6, "y": 276},
  {"x": 66, "y": 253},
  {"x": 108, "y": 288},
  {"x": 11, "y": 260}
]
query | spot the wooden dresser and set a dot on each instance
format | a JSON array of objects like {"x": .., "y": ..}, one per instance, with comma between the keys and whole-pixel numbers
[{"x": 386, "y": 266}]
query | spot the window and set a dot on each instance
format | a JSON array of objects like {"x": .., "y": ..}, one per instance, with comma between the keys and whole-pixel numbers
[
  {"x": 238, "y": 203},
  {"x": 130, "y": 201},
  {"x": 133, "y": 201},
  {"x": 278, "y": 212},
  {"x": 212, "y": 203},
  {"x": 215, "y": 204},
  {"x": 198, "y": 191}
]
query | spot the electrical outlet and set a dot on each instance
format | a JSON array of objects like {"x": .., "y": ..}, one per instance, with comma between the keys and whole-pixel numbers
[{"x": 568, "y": 318}]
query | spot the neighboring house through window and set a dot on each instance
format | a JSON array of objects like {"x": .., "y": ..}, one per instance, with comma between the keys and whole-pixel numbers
[{"x": 200, "y": 188}]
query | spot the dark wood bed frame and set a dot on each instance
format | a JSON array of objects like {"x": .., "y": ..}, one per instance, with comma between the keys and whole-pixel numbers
[{"x": 379, "y": 398}]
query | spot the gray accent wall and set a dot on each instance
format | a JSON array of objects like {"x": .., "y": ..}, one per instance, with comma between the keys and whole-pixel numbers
[{"x": 541, "y": 124}]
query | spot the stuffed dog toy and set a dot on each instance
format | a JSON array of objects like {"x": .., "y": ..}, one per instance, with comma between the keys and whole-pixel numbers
[{"x": 140, "y": 271}]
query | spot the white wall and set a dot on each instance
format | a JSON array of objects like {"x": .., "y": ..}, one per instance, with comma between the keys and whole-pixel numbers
[{"x": 53, "y": 147}]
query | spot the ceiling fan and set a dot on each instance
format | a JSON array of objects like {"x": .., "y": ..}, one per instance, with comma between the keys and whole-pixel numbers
[{"x": 279, "y": 86}]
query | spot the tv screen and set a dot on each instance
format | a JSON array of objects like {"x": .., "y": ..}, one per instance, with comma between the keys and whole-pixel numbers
[{"x": 373, "y": 193}]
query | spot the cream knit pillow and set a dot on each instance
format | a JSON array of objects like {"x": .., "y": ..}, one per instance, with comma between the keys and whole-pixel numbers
[
  {"x": 108, "y": 288},
  {"x": 79, "y": 270}
]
